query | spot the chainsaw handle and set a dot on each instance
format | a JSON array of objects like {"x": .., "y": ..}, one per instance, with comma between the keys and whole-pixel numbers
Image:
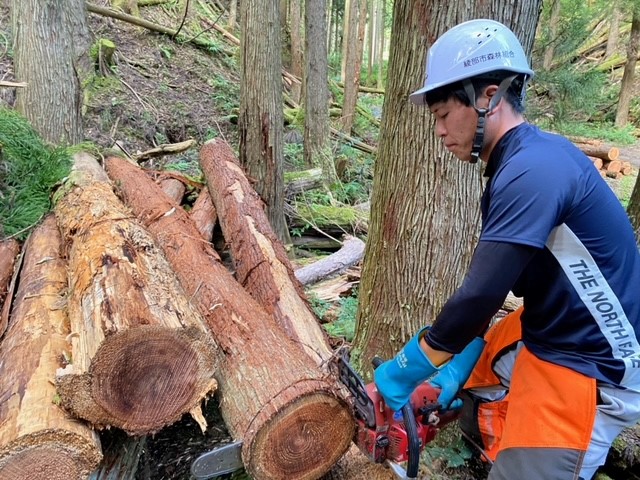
[{"x": 412, "y": 432}]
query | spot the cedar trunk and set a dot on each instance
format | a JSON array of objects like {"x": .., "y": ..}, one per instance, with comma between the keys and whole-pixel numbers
[
  {"x": 142, "y": 354},
  {"x": 262, "y": 265},
  {"x": 38, "y": 441},
  {"x": 272, "y": 395}
]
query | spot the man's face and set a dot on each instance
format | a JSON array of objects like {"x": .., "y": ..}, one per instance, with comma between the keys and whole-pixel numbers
[{"x": 456, "y": 126}]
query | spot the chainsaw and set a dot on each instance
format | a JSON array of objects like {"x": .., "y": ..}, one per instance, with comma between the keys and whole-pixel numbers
[
  {"x": 393, "y": 437},
  {"x": 381, "y": 434}
]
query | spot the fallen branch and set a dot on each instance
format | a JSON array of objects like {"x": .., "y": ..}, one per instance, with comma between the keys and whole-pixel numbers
[
  {"x": 350, "y": 254},
  {"x": 164, "y": 149},
  {"x": 4, "y": 83}
]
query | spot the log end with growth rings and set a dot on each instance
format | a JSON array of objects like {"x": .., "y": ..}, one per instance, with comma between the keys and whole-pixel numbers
[
  {"x": 303, "y": 440},
  {"x": 143, "y": 379},
  {"x": 49, "y": 455}
]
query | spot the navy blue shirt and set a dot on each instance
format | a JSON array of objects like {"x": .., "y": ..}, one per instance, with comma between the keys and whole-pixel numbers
[{"x": 581, "y": 288}]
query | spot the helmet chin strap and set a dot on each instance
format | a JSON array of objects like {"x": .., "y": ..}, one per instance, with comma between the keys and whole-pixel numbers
[{"x": 478, "y": 139}]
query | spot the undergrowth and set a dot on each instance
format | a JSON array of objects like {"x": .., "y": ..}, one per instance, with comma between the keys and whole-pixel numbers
[{"x": 30, "y": 170}]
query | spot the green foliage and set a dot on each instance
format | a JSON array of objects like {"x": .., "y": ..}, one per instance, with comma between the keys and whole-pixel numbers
[
  {"x": 320, "y": 307},
  {"x": 606, "y": 131},
  {"x": 625, "y": 189},
  {"x": 573, "y": 94},
  {"x": 226, "y": 93},
  {"x": 345, "y": 325},
  {"x": 454, "y": 452},
  {"x": 31, "y": 169}
]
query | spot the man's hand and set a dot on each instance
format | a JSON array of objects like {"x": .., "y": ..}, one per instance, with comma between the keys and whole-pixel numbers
[
  {"x": 397, "y": 379},
  {"x": 452, "y": 377}
]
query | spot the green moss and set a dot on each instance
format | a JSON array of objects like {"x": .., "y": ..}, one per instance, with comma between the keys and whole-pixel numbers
[
  {"x": 31, "y": 170},
  {"x": 330, "y": 215}
]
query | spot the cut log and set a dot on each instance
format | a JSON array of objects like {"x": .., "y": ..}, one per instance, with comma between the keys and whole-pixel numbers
[
  {"x": 613, "y": 166},
  {"x": 614, "y": 175},
  {"x": 204, "y": 214},
  {"x": 142, "y": 354},
  {"x": 262, "y": 265},
  {"x": 603, "y": 151},
  {"x": 38, "y": 441},
  {"x": 597, "y": 162},
  {"x": 350, "y": 254},
  {"x": 9, "y": 250},
  {"x": 293, "y": 422},
  {"x": 8, "y": 297}
]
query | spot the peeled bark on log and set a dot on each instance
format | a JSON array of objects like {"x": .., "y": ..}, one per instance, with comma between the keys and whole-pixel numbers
[
  {"x": 312, "y": 242},
  {"x": 262, "y": 265},
  {"x": 351, "y": 253},
  {"x": 142, "y": 354},
  {"x": 38, "y": 441},
  {"x": 9, "y": 250},
  {"x": 289, "y": 414},
  {"x": 204, "y": 214},
  {"x": 599, "y": 150}
]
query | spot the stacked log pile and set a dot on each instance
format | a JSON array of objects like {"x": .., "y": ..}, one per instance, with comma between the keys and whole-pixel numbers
[
  {"x": 605, "y": 157},
  {"x": 121, "y": 314}
]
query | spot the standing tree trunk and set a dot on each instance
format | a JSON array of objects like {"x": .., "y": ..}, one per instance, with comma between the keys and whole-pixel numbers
[
  {"x": 425, "y": 205},
  {"x": 554, "y": 24},
  {"x": 38, "y": 440},
  {"x": 614, "y": 30},
  {"x": 357, "y": 23},
  {"x": 260, "y": 119},
  {"x": 317, "y": 150},
  {"x": 626, "y": 86},
  {"x": 233, "y": 13},
  {"x": 381, "y": 15},
  {"x": 295, "y": 14},
  {"x": 51, "y": 42}
]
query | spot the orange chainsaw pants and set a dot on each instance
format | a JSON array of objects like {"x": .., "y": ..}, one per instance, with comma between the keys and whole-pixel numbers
[{"x": 537, "y": 420}]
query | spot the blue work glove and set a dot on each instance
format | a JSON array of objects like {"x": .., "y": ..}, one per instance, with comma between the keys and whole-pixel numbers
[
  {"x": 452, "y": 376},
  {"x": 396, "y": 379}
]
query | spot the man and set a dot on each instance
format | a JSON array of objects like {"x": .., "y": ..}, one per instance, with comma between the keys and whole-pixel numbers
[{"x": 555, "y": 382}]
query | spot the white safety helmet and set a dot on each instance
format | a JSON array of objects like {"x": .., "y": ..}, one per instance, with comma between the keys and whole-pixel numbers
[{"x": 470, "y": 49}]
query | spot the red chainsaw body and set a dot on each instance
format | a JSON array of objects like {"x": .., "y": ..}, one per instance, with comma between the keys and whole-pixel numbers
[{"x": 389, "y": 439}]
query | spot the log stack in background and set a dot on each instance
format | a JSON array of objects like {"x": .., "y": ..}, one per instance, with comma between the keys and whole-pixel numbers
[{"x": 606, "y": 158}]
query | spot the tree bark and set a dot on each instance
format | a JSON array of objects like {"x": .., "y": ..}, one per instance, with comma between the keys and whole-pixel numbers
[
  {"x": 204, "y": 214},
  {"x": 350, "y": 254},
  {"x": 633, "y": 210},
  {"x": 260, "y": 119},
  {"x": 357, "y": 22},
  {"x": 554, "y": 24},
  {"x": 599, "y": 150},
  {"x": 262, "y": 265},
  {"x": 295, "y": 24},
  {"x": 614, "y": 29},
  {"x": 48, "y": 40},
  {"x": 317, "y": 150},
  {"x": 293, "y": 422},
  {"x": 626, "y": 85},
  {"x": 425, "y": 211},
  {"x": 142, "y": 355},
  {"x": 38, "y": 441},
  {"x": 9, "y": 250}
]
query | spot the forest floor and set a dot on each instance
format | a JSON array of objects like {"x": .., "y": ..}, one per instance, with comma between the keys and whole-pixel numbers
[{"x": 161, "y": 91}]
